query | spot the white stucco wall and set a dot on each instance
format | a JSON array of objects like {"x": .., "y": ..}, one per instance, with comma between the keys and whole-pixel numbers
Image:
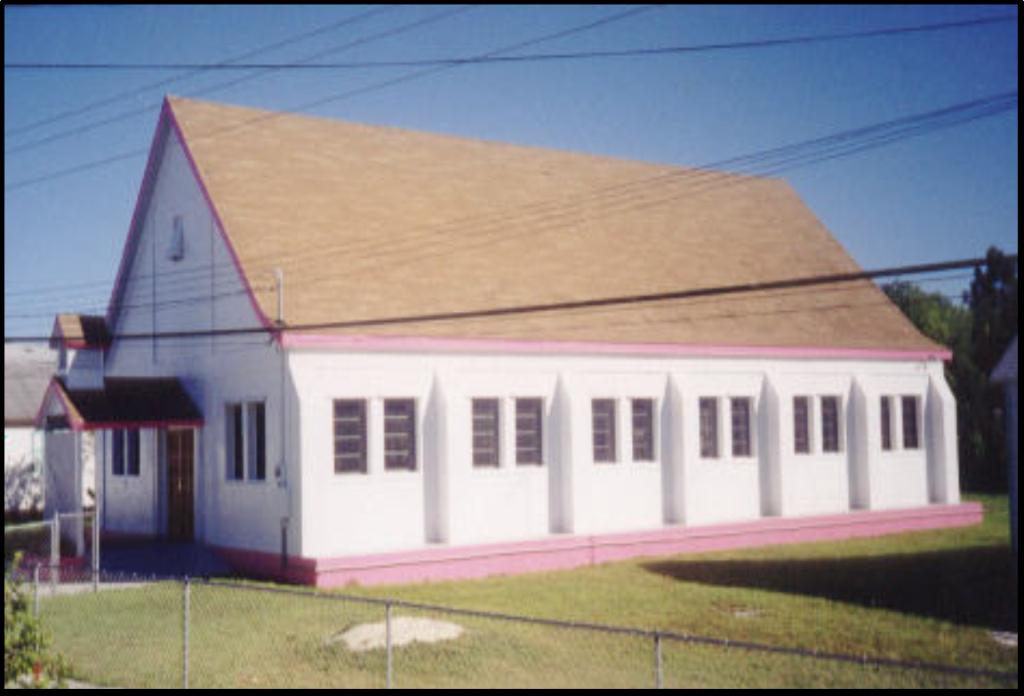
[
  {"x": 23, "y": 463},
  {"x": 200, "y": 291},
  {"x": 725, "y": 488},
  {"x": 447, "y": 500},
  {"x": 896, "y": 478},
  {"x": 816, "y": 482}
]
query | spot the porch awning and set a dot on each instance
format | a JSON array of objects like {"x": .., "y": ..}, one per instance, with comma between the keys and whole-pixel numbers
[{"x": 123, "y": 402}]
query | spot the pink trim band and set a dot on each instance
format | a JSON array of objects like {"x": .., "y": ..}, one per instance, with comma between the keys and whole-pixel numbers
[
  {"x": 290, "y": 339},
  {"x": 565, "y": 552}
]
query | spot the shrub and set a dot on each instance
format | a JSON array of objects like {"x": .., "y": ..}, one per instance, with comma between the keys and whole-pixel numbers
[{"x": 26, "y": 646}]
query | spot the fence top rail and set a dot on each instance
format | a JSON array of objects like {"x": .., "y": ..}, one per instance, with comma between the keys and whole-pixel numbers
[
  {"x": 24, "y": 526},
  {"x": 866, "y": 660}
]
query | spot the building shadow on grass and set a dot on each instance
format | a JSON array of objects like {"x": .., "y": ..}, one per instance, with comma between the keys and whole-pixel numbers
[{"x": 975, "y": 586}]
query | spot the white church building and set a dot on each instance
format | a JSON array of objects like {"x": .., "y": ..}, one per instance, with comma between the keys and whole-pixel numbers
[{"x": 280, "y": 376}]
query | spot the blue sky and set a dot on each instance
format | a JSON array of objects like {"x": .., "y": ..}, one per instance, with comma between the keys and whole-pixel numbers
[{"x": 947, "y": 194}]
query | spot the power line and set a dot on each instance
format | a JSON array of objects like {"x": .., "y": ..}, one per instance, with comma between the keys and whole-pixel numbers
[
  {"x": 408, "y": 77},
  {"x": 410, "y": 26},
  {"x": 177, "y": 78},
  {"x": 620, "y": 198},
  {"x": 483, "y": 60},
  {"x": 802, "y": 282}
]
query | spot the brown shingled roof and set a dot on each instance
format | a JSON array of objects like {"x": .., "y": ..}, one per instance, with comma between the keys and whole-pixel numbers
[
  {"x": 130, "y": 402},
  {"x": 80, "y": 331},
  {"x": 371, "y": 222}
]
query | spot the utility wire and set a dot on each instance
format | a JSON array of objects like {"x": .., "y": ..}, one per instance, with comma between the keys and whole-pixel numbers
[
  {"x": 540, "y": 57},
  {"x": 408, "y": 77},
  {"x": 609, "y": 200},
  {"x": 800, "y": 282},
  {"x": 388, "y": 33},
  {"x": 638, "y": 194},
  {"x": 196, "y": 71}
]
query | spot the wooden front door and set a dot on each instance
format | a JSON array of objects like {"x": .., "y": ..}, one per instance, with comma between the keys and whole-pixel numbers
[{"x": 180, "y": 449}]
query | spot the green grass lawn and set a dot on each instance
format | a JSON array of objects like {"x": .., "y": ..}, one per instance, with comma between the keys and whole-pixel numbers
[{"x": 925, "y": 596}]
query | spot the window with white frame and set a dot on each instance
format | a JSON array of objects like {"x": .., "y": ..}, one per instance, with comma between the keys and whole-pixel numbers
[
  {"x": 125, "y": 452},
  {"x": 831, "y": 437},
  {"x": 399, "y": 434},
  {"x": 741, "y": 433},
  {"x": 643, "y": 430},
  {"x": 529, "y": 432},
  {"x": 603, "y": 422},
  {"x": 350, "y": 436},
  {"x": 245, "y": 441},
  {"x": 708, "y": 427},
  {"x": 486, "y": 429},
  {"x": 911, "y": 424},
  {"x": 802, "y": 424}
]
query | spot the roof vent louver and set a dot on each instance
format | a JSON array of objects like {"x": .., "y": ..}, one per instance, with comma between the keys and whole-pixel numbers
[{"x": 176, "y": 252}]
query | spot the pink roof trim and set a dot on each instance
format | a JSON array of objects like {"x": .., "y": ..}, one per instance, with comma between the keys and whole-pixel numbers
[
  {"x": 133, "y": 226},
  {"x": 55, "y": 388},
  {"x": 487, "y": 345}
]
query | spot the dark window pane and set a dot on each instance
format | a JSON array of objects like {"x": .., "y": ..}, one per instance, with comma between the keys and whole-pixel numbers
[
  {"x": 485, "y": 433},
  {"x": 830, "y": 423},
  {"x": 134, "y": 453},
  {"x": 259, "y": 414},
  {"x": 709, "y": 428},
  {"x": 603, "y": 411},
  {"x": 350, "y": 436},
  {"x": 399, "y": 434},
  {"x": 740, "y": 427},
  {"x": 643, "y": 430},
  {"x": 886, "y": 423},
  {"x": 911, "y": 439},
  {"x": 529, "y": 432},
  {"x": 117, "y": 452},
  {"x": 801, "y": 425}
]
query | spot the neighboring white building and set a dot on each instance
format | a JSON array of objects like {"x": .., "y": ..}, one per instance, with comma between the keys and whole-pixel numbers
[
  {"x": 1006, "y": 374},
  {"x": 27, "y": 371},
  {"x": 388, "y": 451}
]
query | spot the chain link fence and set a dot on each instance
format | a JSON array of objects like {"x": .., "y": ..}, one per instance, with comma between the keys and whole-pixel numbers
[
  {"x": 172, "y": 633},
  {"x": 66, "y": 544}
]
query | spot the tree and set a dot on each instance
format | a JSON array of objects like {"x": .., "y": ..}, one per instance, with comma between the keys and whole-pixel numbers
[
  {"x": 977, "y": 334},
  {"x": 992, "y": 299}
]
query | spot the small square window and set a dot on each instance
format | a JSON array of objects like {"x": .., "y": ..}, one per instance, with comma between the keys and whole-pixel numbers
[
  {"x": 741, "y": 436},
  {"x": 830, "y": 438},
  {"x": 709, "y": 428},
  {"x": 643, "y": 430},
  {"x": 399, "y": 434},
  {"x": 603, "y": 412},
  {"x": 911, "y": 431},
  {"x": 886, "y": 415},
  {"x": 529, "y": 432},
  {"x": 486, "y": 433},
  {"x": 801, "y": 425},
  {"x": 350, "y": 436}
]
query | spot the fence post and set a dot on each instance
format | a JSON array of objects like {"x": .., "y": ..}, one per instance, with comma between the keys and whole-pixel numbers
[
  {"x": 96, "y": 549},
  {"x": 387, "y": 634},
  {"x": 35, "y": 591},
  {"x": 185, "y": 622},
  {"x": 54, "y": 551},
  {"x": 658, "y": 672}
]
